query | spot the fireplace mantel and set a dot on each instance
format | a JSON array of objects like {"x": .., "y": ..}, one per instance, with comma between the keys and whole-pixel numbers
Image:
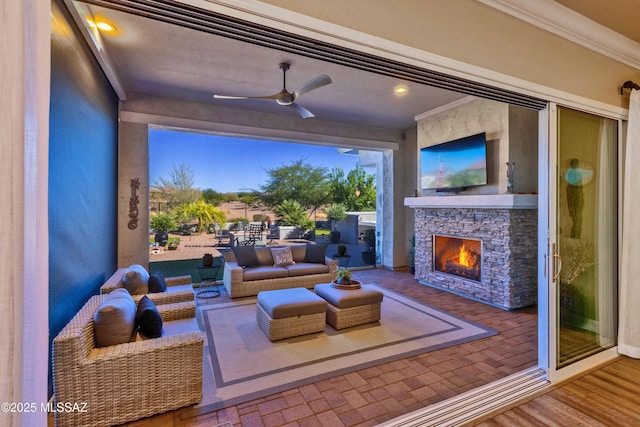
[{"x": 481, "y": 201}]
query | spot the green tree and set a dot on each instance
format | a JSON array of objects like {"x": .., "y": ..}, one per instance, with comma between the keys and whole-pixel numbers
[
  {"x": 292, "y": 213},
  {"x": 204, "y": 212},
  {"x": 299, "y": 181},
  {"x": 178, "y": 189},
  {"x": 356, "y": 191},
  {"x": 212, "y": 197}
]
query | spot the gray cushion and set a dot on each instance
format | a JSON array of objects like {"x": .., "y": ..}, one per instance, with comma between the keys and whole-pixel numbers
[
  {"x": 264, "y": 256},
  {"x": 260, "y": 273},
  {"x": 345, "y": 298},
  {"x": 305, "y": 268},
  {"x": 246, "y": 256},
  {"x": 316, "y": 254},
  {"x": 115, "y": 319},
  {"x": 136, "y": 280},
  {"x": 285, "y": 303},
  {"x": 298, "y": 252}
]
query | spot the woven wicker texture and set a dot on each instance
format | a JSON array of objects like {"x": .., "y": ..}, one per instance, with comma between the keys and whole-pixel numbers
[
  {"x": 341, "y": 318},
  {"x": 278, "y": 329},
  {"x": 169, "y": 297},
  {"x": 128, "y": 381},
  {"x": 237, "y": 287}
]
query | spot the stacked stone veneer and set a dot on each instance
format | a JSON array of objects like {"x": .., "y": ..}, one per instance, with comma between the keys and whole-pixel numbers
[{"x": 509, "y": 252}]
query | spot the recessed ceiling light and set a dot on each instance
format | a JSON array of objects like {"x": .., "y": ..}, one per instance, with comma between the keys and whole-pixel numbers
[
  {"x": 102, "y": 26},
  {"x": 400, "y": 90}
]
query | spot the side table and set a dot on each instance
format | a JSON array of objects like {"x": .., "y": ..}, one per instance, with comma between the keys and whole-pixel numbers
[{"x": 208, "y": 283}]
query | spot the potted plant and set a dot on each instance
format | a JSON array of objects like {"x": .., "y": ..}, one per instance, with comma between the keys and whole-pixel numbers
[
  {"x": 161, "y": 224},
  {"x": 343, "y": 276},
  {"x": 369, "y": 256},
  {"x": 335, "y": 213},
  {"x": 342, "y": 256}
]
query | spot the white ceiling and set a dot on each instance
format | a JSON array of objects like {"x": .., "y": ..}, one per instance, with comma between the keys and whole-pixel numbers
[{"x": 166, "y": 60}]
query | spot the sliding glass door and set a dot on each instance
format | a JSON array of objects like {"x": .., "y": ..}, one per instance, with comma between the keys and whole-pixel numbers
[{"x": 584, "y": 235}]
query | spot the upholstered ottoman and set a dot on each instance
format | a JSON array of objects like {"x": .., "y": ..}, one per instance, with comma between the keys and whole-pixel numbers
[
  {"x": 287, "y": 313},
  {"x": 350, "y": 307}
]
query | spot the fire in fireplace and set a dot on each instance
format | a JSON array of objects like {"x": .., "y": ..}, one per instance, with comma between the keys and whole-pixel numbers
[{"x": 458, "y": 256}]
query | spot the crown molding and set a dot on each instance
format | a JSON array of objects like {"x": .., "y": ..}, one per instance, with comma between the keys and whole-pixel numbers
[{"x": 568, "y": 24}]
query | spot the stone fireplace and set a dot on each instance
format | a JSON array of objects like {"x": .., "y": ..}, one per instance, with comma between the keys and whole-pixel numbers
[{"x": 481, "y": 247}]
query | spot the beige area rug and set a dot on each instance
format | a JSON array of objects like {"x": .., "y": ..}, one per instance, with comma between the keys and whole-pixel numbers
[{"x": 241, "y": 364}]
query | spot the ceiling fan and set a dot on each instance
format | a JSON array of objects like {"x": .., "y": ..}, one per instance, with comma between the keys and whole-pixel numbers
[{"x": 287, "y": 98}]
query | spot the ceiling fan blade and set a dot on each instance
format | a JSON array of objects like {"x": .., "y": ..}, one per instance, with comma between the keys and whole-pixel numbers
[
  {"x": 321, "y": 80},
  {"x": 306, "y": 114},
  {"x": 276, "y": 96}
]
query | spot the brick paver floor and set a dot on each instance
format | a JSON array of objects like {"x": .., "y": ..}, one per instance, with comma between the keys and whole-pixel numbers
[{"x": 373, "y": 395}]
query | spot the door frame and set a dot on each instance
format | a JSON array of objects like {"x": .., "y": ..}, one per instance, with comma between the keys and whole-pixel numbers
[{"x": 547, "y": 301}]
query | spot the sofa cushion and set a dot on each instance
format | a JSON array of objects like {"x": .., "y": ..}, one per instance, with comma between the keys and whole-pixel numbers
[
  {"x": 298, "y": 252},
  {"x": 157, "y": 282},
  {"x": 246, "y": 256},
  {"x": 315, "y": 254},
  {"x": 115, "y": 319},
  {"x": 259, "y": 273},
  {"x": 264, "y": 256},
  {"x": 148, "y": 319},
  {"x": 305, "y": 268},
  {"x": 136, "y": 280},
  {"x": 282, "y": 256}
]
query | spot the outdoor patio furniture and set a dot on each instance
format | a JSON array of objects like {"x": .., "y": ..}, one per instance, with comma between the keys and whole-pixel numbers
[
  {"x": 287, "y": 313},
  {"x": 125, "y": 382},
  {"x": 224, "y": 239},
  {"x": 179, "y": 288},
  {"x": 350, "y": 307},
  {"x": 251, "y": 236},
  {"x": 272, "y": 235}
]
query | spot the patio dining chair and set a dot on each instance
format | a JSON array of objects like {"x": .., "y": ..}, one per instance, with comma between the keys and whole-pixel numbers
[{"x": 252, "y": 235}]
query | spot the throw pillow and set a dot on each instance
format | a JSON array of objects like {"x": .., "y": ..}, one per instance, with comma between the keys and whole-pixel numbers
[
  {"x": 316, "y": 254},
  {"x": 282, "y": 257},
  {"x": 115, "y": 319},
  {"x": 246, "y": 256},
  {"x": 157, "y": 283},
  {"x": 148, "y": 319},
  {"x": 136, "y": 280}
]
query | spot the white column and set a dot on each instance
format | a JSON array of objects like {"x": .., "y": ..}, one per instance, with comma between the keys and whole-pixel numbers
[{"x": 24, "y": 120}]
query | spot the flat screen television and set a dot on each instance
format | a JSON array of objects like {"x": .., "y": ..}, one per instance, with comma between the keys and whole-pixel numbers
[{"x": 455, "y": 165}]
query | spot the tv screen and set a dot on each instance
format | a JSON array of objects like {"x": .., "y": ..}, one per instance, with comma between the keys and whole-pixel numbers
[{"x": 454, "y": 165}]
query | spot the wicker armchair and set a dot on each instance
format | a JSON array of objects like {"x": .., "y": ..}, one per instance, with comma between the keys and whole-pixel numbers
[
  {"x": 179, "y": 288},
  {"x": 125, "y": 382}
]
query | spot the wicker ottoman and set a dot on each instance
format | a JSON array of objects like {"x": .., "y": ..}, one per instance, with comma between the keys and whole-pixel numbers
[
  {"x": 287, "y": 313},
  {"x": 350, "y": 307}
]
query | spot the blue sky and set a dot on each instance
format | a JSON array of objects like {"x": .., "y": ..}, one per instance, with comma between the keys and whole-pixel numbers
[{"x": 227, "y": 164}]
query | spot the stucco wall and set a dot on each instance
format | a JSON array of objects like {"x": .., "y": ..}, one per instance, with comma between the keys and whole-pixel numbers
[
  {"x": 512, "y": 136},
  {"x": 476, "y": 34}
]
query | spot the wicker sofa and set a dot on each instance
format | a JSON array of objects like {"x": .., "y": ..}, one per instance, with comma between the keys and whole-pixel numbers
[
  {"x": 248, "y": 280},
  {"x": 179, "y": 288},
  {"x": 128, "y": 381}
]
